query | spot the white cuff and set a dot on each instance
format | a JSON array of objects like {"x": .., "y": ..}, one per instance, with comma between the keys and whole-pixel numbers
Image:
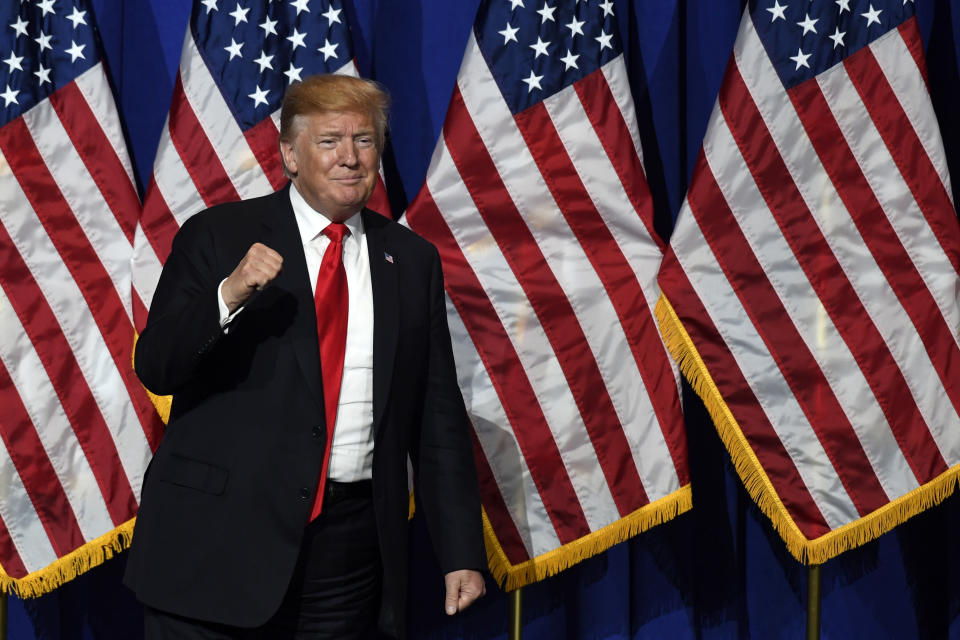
[{"x": 225, "y": 316}]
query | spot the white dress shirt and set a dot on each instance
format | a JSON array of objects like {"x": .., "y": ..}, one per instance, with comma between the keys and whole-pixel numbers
[{"x": 351, "y": 455}]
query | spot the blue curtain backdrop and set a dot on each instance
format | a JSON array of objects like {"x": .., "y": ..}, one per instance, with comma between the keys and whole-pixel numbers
[{"x": 717, "y": 572}]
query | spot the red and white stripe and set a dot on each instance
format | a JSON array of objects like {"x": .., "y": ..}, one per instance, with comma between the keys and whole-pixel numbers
[
  {"x": 545, "y": 228},
  {"x": 203, "y": 159},
  {"x": 77, "y": 427},
  {"x": 815, "y": 267}
]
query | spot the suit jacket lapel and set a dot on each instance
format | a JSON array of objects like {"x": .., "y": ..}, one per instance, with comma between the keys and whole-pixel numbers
[
  {"x": 384, "y": 281},
  {"x": 282, "y": 235}
]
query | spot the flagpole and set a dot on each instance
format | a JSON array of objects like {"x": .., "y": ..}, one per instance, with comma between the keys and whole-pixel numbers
[
  {"x": 813, "y": 602},
  {"x": 516, "y": 614},
  {"x": 3, "y": 615}
]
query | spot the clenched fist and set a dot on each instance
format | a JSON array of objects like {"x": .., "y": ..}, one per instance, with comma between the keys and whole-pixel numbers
[{"x": 258, "y": 268}]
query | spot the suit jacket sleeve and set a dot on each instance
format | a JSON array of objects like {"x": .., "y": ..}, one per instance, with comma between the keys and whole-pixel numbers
[
  {"x": 184, "y": 320},
  {"x": 446, "y": 483}
]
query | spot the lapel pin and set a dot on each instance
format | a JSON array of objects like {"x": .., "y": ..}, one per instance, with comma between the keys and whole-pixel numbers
[{"x": 388, "y": 257}]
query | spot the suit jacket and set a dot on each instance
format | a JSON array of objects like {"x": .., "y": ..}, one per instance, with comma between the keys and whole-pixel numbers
[{"x": 229, "y": 491}]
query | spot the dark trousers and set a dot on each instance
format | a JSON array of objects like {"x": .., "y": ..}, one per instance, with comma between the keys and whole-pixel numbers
[{"x": 335, "y": 589}]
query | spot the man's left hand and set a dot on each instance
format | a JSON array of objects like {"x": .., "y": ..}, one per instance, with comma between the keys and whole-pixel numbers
[{"x": 463, "y": 587}]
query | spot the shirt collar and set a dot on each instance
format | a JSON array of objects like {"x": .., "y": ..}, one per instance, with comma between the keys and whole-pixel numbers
[{"x": 311, "y": 222}]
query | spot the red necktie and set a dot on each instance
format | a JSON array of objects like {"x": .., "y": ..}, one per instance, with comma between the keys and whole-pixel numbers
[{"x": 332, "y": 304}]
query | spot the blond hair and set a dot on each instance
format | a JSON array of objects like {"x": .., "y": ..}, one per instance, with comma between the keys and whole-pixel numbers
[{"x": 334, "y": 92}]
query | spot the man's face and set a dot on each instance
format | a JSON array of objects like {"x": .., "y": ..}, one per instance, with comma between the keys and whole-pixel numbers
[{"x": 334, "y": 160}]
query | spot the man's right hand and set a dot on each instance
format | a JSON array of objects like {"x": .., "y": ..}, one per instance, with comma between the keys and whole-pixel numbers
[{"x": 257, "y": 269}]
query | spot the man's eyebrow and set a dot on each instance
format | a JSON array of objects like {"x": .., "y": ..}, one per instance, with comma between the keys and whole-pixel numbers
[{"x": 336, "y": 133}]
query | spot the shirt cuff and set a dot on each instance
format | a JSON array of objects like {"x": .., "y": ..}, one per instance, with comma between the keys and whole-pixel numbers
[{"x": 225, "y": 316}]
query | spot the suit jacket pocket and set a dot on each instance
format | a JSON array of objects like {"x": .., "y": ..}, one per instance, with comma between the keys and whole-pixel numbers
[{"x": 195, "y": 474}]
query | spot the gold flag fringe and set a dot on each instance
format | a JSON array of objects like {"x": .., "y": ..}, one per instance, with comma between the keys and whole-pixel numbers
[
  {"x": 162, "y": 403},
  {"x": 80, "y": 560},
  {"x": 755, "y": 479},
  {"x": 512, "y": 576}
]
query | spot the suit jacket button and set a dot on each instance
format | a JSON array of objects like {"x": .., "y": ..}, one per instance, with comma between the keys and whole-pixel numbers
[
  {"x": 317, "y": 432},
  {"x": 304, "y": 493}
]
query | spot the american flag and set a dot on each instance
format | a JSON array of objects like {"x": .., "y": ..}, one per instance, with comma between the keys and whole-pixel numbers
[
  {"x": 77, "y": 427},
  {"x": 220, "y": 140},
  {"x": 811, "y": 287},
  {"x": 537, "y": 201}
]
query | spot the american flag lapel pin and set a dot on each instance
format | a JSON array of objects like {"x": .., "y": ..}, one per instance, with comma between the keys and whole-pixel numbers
[{"x": 388, "y": 257}]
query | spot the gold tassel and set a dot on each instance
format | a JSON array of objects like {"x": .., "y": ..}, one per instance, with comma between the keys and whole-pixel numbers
[
  {"x": 552, "y": 562},
  {"x": 162, "y": 403},
  {"x": 90, "y": 555},
  {"x": 755, "y": 479}
]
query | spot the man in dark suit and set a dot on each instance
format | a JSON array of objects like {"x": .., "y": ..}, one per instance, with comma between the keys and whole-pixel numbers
[{"x": 275, "y": 320}]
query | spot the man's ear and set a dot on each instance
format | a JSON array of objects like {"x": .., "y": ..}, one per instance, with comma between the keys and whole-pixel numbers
[{"x": 288, "y": 158}]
